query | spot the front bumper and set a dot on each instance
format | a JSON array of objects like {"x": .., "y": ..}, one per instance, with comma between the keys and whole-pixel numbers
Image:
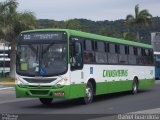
[{"x": 41, "y": 92}]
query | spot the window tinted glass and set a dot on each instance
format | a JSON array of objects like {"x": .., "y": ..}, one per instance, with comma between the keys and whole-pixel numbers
[
  {"x": 89, "y": 57},
  {"x": 112, "y": 58},
  {"x": 100, "y": 46},
  {"x": 122, "y": 49},
  {"x": 139, "y": 51},
  {"x": 88, "y": 45},
  {"x": 132, "y": 57},
  {"x": 112, "y": 48},
  {"x": 131, "y": 50},
  {"x": 101, "y": 57}
]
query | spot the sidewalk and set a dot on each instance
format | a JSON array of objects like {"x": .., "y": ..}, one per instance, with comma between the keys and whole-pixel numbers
[{"x": 6, "y": 81}]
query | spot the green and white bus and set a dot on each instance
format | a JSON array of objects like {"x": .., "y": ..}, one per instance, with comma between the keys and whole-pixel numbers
[{"x": 63, "y": 63}]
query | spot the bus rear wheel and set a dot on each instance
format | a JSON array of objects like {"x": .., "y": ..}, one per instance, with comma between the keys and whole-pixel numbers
[
  {"x": 135, "y": 86},
  {"x": 89, "y": 93},
  {"x": 46, "y": 101}
]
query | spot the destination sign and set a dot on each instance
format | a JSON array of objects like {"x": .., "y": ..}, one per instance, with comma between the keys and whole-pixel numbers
[{"x": 42, "y": 36}]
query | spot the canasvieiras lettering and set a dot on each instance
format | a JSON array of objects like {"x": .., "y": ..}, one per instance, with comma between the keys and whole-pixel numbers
[{"x": 115, "y": 73}]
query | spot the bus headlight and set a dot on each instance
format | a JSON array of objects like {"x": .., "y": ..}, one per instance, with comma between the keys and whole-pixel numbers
[
  {"x": 19, "y": 82},
  {"x": 61, "y": 83}
]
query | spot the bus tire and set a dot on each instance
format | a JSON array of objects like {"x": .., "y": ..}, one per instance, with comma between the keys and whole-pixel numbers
[
  {"x": 89, "y": 93},
  {"x": 135, "y": 86},
  {"x": 46, "y": 101}
]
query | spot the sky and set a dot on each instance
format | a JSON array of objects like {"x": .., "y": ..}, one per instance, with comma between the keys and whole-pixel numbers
[{"x": 96, "y": 10}]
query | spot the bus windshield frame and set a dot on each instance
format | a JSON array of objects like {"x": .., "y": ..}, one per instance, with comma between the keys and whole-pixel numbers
[{"x": 45, "y": 55}]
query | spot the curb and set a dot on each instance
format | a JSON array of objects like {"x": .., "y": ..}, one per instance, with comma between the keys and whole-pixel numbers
[{"x": 7, "y": 83}]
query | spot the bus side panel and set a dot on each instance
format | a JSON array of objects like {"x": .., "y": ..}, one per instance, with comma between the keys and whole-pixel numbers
[
  {"x": 118, "y": 78},
  {"x": 120, "y": 86},
  {"x": 77, "y": 90},
  {"x": 143, "y": 84},
  {"x": 112, "y": 87}
]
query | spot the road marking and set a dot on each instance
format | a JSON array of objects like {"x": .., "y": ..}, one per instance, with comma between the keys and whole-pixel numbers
[
  {"x": 5, "y": 88},
  {"x": 155, "y": 111},
  {"x": 149, "y": 111},
  {"x": 17, "y": 100}
]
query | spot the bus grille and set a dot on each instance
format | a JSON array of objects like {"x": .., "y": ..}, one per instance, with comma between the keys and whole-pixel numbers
[
  {"x": 39, "y": 92},
  {"x": 36, "y": 80},
  {"x": 36, "y": 86}
]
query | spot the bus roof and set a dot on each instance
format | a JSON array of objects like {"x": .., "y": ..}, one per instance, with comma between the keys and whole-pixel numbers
[{"x": 95, "y": 37}]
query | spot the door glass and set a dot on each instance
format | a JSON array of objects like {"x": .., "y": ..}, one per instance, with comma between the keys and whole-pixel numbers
[{"x": 76, "y": 56}]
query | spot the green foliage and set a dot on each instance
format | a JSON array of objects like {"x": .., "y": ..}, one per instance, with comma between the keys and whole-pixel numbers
[
  {"x": 12, "y": 23},
  {"x": 72, "y": 24},
  {"x": 142, "y": 18},
  {"x": 104, "y": 31},
  {"x": 108, "y": 28},
  {"x": 129, "y": 36},
  {"x": 46, "y": 23}
]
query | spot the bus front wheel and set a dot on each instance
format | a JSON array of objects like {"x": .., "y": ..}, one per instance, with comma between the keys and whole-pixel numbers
[
  {"x": 89, "y": 93},
  {"x": 46, "y": 101}
]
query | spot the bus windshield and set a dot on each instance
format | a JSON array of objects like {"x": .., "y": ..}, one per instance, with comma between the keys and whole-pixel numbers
[{"x": 41, "y": 59}]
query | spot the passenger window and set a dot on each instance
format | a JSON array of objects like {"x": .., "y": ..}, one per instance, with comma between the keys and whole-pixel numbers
[
  {"x": 140, "y": 56},
  {"x": 112, "y": 48},
  {"x": 122, "y": 55},
  {"x": 112, "y": 55},
  {"x": 88, "y": 45},
  {"x": 100, "y": 55},
  {"x": 89, "y": 54},
  {"x": 132, "y": 57},
  {"x": 100, "y": 46},
  {"x": 131, "y": 50}
]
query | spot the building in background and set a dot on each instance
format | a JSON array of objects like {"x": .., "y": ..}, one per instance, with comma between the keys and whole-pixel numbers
[
  {"x": 4, "y": 58},
  {"x": 155, "y": 40}
]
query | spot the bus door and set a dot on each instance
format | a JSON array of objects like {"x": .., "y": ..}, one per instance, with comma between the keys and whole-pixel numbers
[{"x": 76, "y": 66}]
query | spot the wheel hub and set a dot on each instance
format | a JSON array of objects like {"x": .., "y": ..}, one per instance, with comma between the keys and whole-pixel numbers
[{"x": 88, "y": 93}]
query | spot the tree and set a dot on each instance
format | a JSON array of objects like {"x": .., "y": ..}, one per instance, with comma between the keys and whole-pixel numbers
[
  {"x": 141, "y": 18},
  {"x": 129, "y": 36},
  {"x": 12, "y": 23},
  {"x": 104, "y": 31},
  {"x": 73, "y": 24}
]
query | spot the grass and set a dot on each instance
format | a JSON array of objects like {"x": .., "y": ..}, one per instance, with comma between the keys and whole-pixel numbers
[{"x": 6, "y": 79}]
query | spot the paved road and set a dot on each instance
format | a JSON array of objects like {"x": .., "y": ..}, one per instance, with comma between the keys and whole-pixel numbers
[{"x": 104, "y": 104}]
